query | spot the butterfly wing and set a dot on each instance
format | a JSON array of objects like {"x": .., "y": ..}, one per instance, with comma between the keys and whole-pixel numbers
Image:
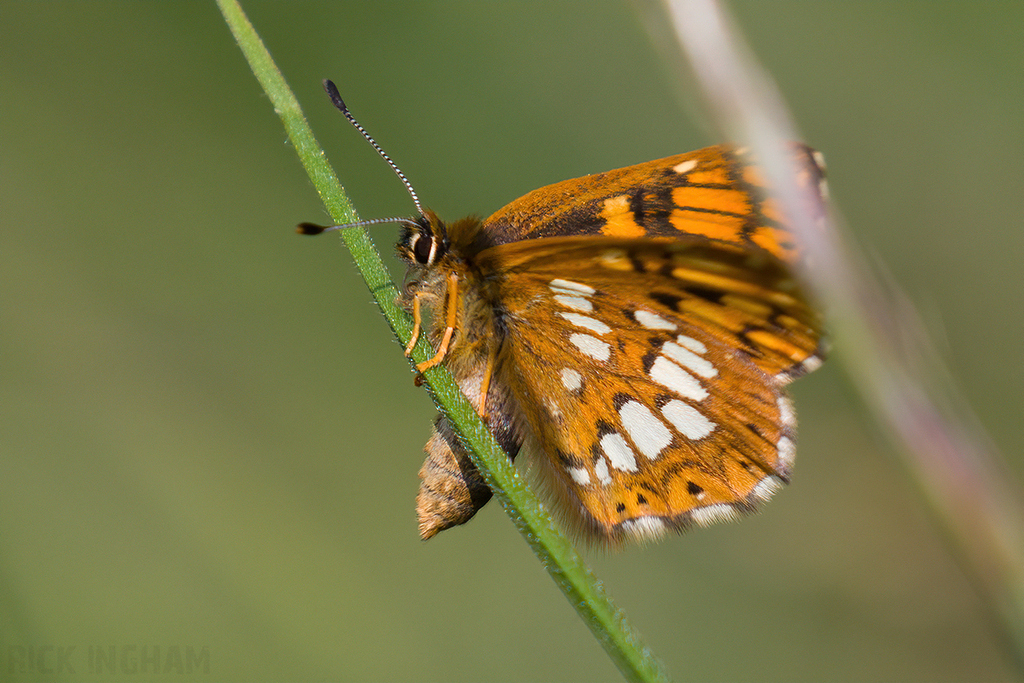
[
  {"x": 716, "y": 193},
  {"x": 646, "y": 323},
  {"x": 650, "y": 324},
  {"x": 651, "y": 373}
]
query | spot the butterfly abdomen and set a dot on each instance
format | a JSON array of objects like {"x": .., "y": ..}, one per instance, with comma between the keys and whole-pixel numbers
[{"x": 451, "y": 489}]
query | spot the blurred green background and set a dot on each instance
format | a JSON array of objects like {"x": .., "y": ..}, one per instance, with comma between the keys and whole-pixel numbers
[{"x": 209, "y": 438}]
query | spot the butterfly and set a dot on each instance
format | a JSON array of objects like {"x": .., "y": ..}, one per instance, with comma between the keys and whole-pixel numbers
[{"x": 634, "y": 330}]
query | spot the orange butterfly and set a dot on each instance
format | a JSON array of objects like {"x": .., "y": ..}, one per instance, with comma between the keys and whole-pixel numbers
[{"x": 635, "y": 329}]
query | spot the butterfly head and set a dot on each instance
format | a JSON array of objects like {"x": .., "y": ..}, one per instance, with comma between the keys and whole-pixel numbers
[{"x": 424, "y": 240}]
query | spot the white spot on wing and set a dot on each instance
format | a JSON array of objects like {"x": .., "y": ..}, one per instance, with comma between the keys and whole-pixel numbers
[
  {"x": 618, "y": 452},
  {"x": 786, "y": 415},
  {"x": 766, "y": 488},
  {"x": 689, "y": 360},
  {"x": 591, "y": 346},
  {"x": 586, "y": 322},
  {"x": 670, "y": 375},
  {"x": 644, "y": 528},
  {"x": 652, "y": 321},
  {"x": 787, "y": 451},
  {"x": 601, "y": 469},
  {"x": 558, "y": 284},
  {"x": 571, "y": 379},
  {"x": 580, "y": 475},
  {"x": 577, "y": 302},
  {"x": 812, "y": 363},
  {"x": 690, "y": 422},
  {"x": 646, "y": 431},
  {"x": 553, "y": 409},
  {"x": 692, "y": 344},
  {"x": 720, "y": 512},
  {"x": 685, "y": 166}
]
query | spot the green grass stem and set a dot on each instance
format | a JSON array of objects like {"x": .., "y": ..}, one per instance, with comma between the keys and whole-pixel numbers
[{"x": 556, "y": 553}]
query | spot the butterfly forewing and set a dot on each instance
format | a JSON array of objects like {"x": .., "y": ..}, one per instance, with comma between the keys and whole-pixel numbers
[{"x": 716, "y": 193}]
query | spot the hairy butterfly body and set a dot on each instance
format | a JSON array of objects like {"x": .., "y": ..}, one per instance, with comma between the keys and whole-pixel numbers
[{"x": 634, "y": 329}]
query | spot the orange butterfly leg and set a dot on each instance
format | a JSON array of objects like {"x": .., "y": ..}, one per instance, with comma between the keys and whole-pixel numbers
[
  {"x": 442, "y": 350},
  {"x": 416, "y": 324},
  {"x": 485, "y": 383}
]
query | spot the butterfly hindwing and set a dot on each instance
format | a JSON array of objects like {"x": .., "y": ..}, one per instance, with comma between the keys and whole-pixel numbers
[{"x": 649, "y": 418}]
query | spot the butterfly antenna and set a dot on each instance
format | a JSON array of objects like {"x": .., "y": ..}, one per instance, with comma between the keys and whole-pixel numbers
[
  {"x": 332, "y": 92},
  {"x": 314, "y": 229}
]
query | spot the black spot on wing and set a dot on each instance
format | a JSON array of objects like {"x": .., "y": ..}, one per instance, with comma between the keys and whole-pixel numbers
[
  {"x": 621, "y": 399},
  {"x": 706, "y": 293},
  {"x": 649, "y": 358},
  {"x": 669, "y": 301},
  {"x": 567, "y": 460}
]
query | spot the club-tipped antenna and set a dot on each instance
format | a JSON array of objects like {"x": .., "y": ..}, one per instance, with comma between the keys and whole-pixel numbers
[
  {"x": 316, "y": 229},
  {"x": 332, "y": 92}
]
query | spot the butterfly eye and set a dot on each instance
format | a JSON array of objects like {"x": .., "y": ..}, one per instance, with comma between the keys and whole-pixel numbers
[{"x": 423, "y": 248}]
